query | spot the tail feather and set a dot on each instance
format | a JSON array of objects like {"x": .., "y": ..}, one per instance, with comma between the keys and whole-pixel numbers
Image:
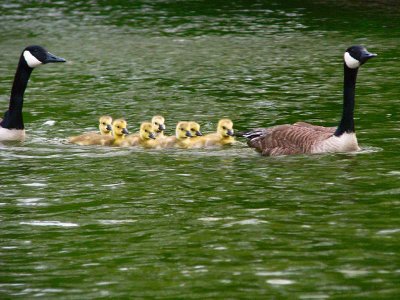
[
  {"x": 252, "y": 134},
  {"x": 239, "y": 133}
]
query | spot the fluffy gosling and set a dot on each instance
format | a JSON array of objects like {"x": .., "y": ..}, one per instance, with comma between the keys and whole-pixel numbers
[
  {"x": 146, "y": 138},
  {"x": 223, "y": 135},
  {"x": 94, "y": 138},
  {"x": 181, "y": 138}
]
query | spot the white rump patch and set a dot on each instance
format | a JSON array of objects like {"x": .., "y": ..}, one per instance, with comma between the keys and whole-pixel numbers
[
  {"x": 12, "y": 134},
  {"x": 347, "y": 142},
  {"x": 31, "y": 60},
  {"x": 350, "y": 61}
]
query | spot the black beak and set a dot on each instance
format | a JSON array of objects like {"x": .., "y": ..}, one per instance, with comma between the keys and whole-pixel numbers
[
  {"x": 229, "y": 132},
  {"x": 161, "y": 127},
  {"x": 198, "y": 133},
  {"x": 125, "y": 131},
  {"x": 188, "y": 134},
  {"x": 152, "y": 136},
  {"x": 365, "y": 55},
  {"x": 108, "y": 127},
  {"x": 50, "y": 58}
]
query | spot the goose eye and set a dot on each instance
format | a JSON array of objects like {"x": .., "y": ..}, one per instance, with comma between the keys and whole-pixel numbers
[
  {"x": 223, "y": 127},
  {"x": 118, "y": 127},
  {"x": 156, "y": 123},
  {"x": 104, "y": 123}
]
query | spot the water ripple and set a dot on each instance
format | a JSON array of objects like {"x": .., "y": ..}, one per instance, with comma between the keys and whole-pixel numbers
[{"x": 50, "y": 223}]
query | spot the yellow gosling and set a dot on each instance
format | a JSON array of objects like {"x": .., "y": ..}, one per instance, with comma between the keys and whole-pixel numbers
[
  {"x": 147, "y": 135},
  {"x": 181, "y": 138},
  {"x": 94, "y": 138},
  {"x": 196, "y": 141},
  {"x": 223, "y": 136},
  {"x": 146, "y": 138},
  {"x": 159, "y": 126},
  {"x": 119, "y": 132}
]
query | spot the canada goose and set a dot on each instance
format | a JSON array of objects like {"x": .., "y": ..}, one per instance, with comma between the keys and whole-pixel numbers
[
  {"x": 223, "y": 135},
  {"x": 181, "y": 138},
  {"x": 12, "y": 126},
  {"x": 94, "y": 138},
  {"x": 159, "y": 125},
  {"x": 119, "y": 128},
  {"x": 147, "y": 136},
  {"x": 306, "y": 138}
]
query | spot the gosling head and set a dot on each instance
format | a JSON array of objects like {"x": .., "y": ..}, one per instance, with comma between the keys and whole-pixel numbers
[
  {"x": 158, "y": 123},
  {"x": 225, "y": 127},
  {"x": 35, "y": 56},
  {"x": 355, "y": 56},
  {"x": 195, "y": 129},
  {"x": 147, "y": 131},
  {"x": 183, "y": 130},
  {"x": 119, "y": 128},
  {"x": 105, "y": 123}
]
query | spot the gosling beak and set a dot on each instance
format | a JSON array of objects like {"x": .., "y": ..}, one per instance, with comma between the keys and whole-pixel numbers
[
  {"x": 51, "y": 58},
  {"x": 161, "y": 127},
  {"x": 108, "y": 127},
  {"x": 198, "y": 133},
  {"x": 152, "y": 136},
  {"x": 188, "y": 134},
  {"x": 229, "y": 132},
  {"x": 125, "y": 131}
]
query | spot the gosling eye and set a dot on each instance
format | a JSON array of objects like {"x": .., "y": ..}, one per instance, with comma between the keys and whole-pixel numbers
[
  {"x": 118, "y": 127},
  {"x": 156, "y": 123},
  {"x": 224, "y": 127},
  {"x": 104, "y": 123},
  {"x": 182, "y": 129}
]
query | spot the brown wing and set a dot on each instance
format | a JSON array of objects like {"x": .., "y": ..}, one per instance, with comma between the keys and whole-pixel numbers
[
  {"x": 287, "y": 139},
  {"x": 316, "y": 127}
]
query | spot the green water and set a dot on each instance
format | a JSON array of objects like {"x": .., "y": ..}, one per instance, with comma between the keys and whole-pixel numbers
[{"x": 91, "y": 222}]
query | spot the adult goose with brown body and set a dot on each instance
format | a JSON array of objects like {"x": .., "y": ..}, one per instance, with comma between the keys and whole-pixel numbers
[
  {"x": 304, "y": 138},
  {"x": 12, "y": 126}
]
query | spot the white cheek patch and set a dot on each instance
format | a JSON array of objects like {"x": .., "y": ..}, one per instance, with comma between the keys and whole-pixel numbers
[
  {"x": 31, "y": 60},
  {"x": 350, "y": 61}
]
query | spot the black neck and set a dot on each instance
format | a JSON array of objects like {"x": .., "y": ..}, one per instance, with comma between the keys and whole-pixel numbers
[
  {"x": 349, "y": 87},
  {"x": 13, "y": 116}
]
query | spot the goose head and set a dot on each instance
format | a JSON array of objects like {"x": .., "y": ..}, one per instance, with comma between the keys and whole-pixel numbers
[
  {"x": 183, "y": 130},
  {"x": 355, "y": 56},
  {"x": 147, "y": 131},
  {"x": 195, "y": 129},
  {"x": 105, "y": 125},
  {"x": 35, "y": 56},
  {"x": 119, "y": 128},
  {"x": 158, "y": 123},
  {"x": 225, "y": 127}
]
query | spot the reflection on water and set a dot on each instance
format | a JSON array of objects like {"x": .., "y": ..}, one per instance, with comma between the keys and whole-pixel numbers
[{"x": 89, "y": 222}]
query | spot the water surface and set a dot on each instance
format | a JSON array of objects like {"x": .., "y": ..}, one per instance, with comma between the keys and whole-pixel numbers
[{"x": 92, "y": 222}]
